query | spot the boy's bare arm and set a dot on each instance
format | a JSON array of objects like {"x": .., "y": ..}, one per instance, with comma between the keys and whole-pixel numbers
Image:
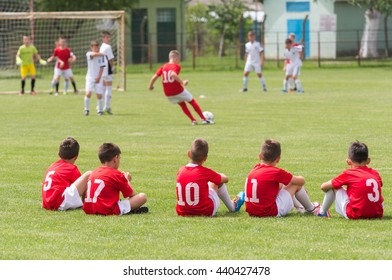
[
  {"x": 262, "y": 56},
  {"x": 50, "y": 58},
  {"x": 95, "y": 54},
  {"x": 152, "y": 81},
  {"x": 224, "y": 178},
  {"x": 326, "y": 186},
  {"x": 298, "y": 180},
  {"x": 178, "y": 79}
]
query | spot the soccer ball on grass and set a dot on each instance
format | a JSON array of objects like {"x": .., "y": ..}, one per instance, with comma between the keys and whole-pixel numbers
[{"x": 209, "y": 116}]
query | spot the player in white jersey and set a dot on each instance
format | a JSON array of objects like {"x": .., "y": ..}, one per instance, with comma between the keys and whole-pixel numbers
[
  {"x": 292, "y": 86},
  {"x": 107, "y": 76},
  {"x": 292, "y": 69},
  {"x": 254, "y": 56},
  {"x": 95, "y": 67}
]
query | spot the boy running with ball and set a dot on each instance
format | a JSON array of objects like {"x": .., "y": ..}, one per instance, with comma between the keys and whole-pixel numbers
[
  {"x": 95, "y": 67},
  {"x": 254, "y": 56},
  {"x": 105, "y": 184},
  {"x": 174, "y": 89},
  {"x": 25, "y": 58},
  {"x": 357, "y": 191},
  {"x": 269, "y": 190},
  {"x": 199, "y": 188},
  {"x": 63, "y": 185}
]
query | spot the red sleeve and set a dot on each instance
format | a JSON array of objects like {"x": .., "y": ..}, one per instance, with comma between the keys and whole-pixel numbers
[
  {"x": 340, "y": 181},
  {"x": 75, "y": 174},
  {"x": 284, "y": 177},
  {"x": 55, "y": 52},
  {"x": 214, "y": 177},
  {"x": 159, "y": 72},
  {"x": 124, "y": 186}
]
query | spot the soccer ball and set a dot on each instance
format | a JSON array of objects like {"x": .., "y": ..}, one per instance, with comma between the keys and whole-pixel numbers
[{"x": 209, "y": 116}]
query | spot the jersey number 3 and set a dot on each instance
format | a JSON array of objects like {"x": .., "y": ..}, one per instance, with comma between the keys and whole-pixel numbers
[{"x": 375, "y": 196}]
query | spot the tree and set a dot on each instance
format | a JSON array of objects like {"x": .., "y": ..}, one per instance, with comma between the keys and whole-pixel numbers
[
  {"x": 72, "y": 5},
  {"x": 196, "y": 19},
  {"x": 375, "y": 8},
  {"x": 225, "y": 18}
]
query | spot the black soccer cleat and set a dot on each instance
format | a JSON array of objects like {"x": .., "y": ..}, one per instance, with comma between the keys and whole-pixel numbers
[
  {"x": 141, "y": 210},
  {"x": 86, "y": 112}
]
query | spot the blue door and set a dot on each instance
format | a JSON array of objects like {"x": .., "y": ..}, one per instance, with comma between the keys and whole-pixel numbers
[{"x": 295, "y": 26}]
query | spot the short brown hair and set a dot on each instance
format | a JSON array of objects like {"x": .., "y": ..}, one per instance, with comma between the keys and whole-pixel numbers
[
  {"x": 94, "y": 43},
  {"x": 270, "y": 150},
  {"x": 108, "y": 151},
  {"x": 199, "y": 150},
  {"x": 174, "y": 53},
  {"x": 69, "y": 148},
  {"x": 358, "y": 152},
  {"x": 105, "y": 33}
]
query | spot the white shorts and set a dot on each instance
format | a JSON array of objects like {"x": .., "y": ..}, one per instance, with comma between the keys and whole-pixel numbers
[
  {"x": 108, "y": 78},
  {"x": 67, "y": 74},
  {"x": 125, "y": 206},
  {"x": 285, "y": 203},
  {"x": 183, "y": 96},
  {"x": 249, "y": 67},
  {"x": 92, "y": 86},
  {"x": 293, "y": 70},
  {"x": 72, "y": 199},
  {"x": 341, "y": 202},
  {"x": 215, "y": 199}
]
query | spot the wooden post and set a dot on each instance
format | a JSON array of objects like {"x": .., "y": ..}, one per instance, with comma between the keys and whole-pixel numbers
[
  {"x": 319, "y": 49},
  {"x": 150, "y": 54},
  {"x": 304, "y": 36},
  {"x": 193, "y": 56},
  {"x": 359, "y": 49}
]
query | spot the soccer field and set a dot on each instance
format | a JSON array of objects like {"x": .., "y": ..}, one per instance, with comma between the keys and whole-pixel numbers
[{"x": 315, "y": 129}]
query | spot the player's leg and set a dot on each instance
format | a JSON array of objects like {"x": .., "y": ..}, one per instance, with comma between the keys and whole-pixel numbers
[
  {"x": 261, "y": 78},
  {"x": 100, "y": 104},
  {"x": 137, "y": 201},
  {"x": 223, "y": 194},
  {"x": 213, "y": 195},
  {"x": 32, "y": 73},
  {"x": 301, "y": 195},
  {"x": 187, "y": 96},
  {"x": 186, "y": 111},
  {"x": 81, "y": 183},
  {"x": 289, "y": 72},
  {"x": 23, "y": 75},
  {"x": 245, "y": 78},
  {"x": 69, "y": 76},
  {"x": 328, "y": 200},
  {"x": 66, "y": 86},
  {"x": 296, "y": 73},
  {"x": 87, "y": 98},
  {"x": 108, "y": 93},
  {"x": 298, "y": 206},
  {"x": 342, "y": 200}
]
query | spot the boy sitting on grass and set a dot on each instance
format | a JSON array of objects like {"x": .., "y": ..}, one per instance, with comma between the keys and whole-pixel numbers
[
  {"x": 362, "y": 198},
  {"x": 269, "y": 190},
  {"x": 105, "y": 184},
  {"x": 199, "y": 188},
  {"x": 63, "y": 184}
]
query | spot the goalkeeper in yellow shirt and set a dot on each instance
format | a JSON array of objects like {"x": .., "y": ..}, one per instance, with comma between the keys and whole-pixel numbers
[{"x": 25, "y": 58}]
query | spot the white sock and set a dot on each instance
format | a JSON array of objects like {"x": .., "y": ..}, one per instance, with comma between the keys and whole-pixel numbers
[
  {"x": 285, "y": 84},
  {"x": 108, "y": 97},
  {"x": 100, "y": 105},
  {"x": 53, "y": 84},
  {"x": 297, "y": 204},
  {"x": 225, "y": 197},
  {"x": 86, "y": 103},
  {"x": 262, "y": 81},
  {"x": 291, "y": 83},
  {"x": 66, "y": 85},
  {"x": 329, "y": 198},
  {"x": 245, "y": 79},
  {"x": 298, "y": 83},
  {"x": 303, "y": 198}
]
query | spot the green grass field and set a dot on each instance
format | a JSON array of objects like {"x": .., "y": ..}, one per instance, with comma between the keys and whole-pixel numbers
[{"x": 315, "y": 129}]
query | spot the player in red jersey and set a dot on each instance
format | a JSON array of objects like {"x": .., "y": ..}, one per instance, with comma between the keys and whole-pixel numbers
[
  {"x": 269, "y": 190},
  {"x": 63, "y": 184},
  {"x": 105, "y": 184},
  {"x": 64, "y": 58},
  {"x": 362, "y": 198},
  {"x": 199, "y": 188},
  {"x": 173, "y": 87}
]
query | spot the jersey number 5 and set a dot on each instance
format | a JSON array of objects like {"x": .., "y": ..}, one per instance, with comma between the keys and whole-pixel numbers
[
  {"x": 375, "y": 196},
  {"x": 101, "y": 185},
  {"x": 48, "y": 180},
  {"x": 188, "y": 197},
  {"x": 167, "y": 77}
]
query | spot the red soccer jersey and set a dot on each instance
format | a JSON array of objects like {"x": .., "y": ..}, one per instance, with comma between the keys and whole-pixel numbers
[
  {"x": 170, "y": 86},
  {"x": 59, "y": 176},
  {"x": 261, "y": 189},
  {"x": 103, "y": 191},
  {"x": 364, "y": 190},
  {"x": 64, "y": 55},
  {"x": 193, "y": 190}
]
